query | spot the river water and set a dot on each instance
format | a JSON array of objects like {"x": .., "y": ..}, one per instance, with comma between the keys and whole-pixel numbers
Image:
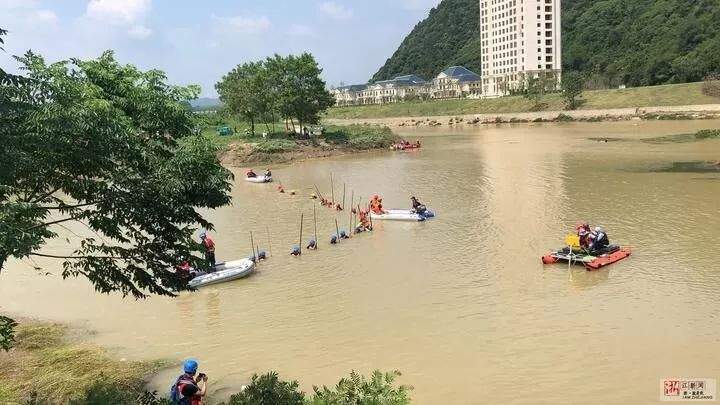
[{"x": 461, "y": 304}]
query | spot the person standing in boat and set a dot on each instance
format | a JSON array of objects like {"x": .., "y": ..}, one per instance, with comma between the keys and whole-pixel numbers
[
  {"x": 209, "y": 246},
  {"x": 268, "y": 173}
]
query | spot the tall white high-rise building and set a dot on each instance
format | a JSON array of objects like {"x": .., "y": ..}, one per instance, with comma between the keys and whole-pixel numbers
[{"x": 519, "y": 39}]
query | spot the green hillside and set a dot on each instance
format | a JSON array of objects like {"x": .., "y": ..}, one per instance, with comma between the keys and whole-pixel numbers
[
  {"x": 448, "y": 36},
  {"x": 632, "y": 42}
]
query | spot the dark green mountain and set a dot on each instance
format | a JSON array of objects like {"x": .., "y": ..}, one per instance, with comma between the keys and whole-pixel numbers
[
  {"x": 635, "y": 42},
  {"x": 448, "y": 36}
]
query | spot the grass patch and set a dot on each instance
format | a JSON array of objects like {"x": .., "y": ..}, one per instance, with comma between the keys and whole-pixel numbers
[
  {"x": 360, "y": 137},
  {"x": 275, "y": 146},
  {"x": 666, "y": 95},
  {"x": 46, "y": 366},
  {"x": 683, "y": 138}
]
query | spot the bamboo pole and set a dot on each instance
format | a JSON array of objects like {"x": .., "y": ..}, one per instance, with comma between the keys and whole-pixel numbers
[
  {"x": 352, "y": 199},
  {"x": 343, "y": 204},
  {"x": 301, "y": 229},
  {"x": 252, "y": 246},
  {"x": 318, "y": 191},
  {"x": 269, "y": 243},
  {"x": 337, "y": 230},
  {"x": 332, "y": 190},
  {"x": 315, "y": 222}
]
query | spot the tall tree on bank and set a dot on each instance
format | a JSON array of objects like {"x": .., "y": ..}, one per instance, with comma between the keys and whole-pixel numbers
[
  {"x": 244, "y": 92},
  {"x": 289, "y": 87},
  {"x": 110, "y": 148}
]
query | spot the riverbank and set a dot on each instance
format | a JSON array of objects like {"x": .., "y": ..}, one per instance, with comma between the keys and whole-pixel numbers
[
  {"x": 335, "y": 140},
  {"x": 686, "y": 112},
  {"x": 676, "y": 101},
  {"x": 51, "y": 363}
]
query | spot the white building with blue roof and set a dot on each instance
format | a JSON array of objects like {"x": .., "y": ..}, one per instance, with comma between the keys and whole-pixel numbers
[
  {"x": 401, "y": 88},
  {"x": 457, "y": 82}
]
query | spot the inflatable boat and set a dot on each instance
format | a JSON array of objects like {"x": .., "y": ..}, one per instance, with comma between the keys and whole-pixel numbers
[
  {"x": 399, "y": 215},
  {"x": 227, "y": 271},
  {"x": 259, "y": 179},
  {"x": 400, "y": 146},
  {"x": 591, "y": 261}
]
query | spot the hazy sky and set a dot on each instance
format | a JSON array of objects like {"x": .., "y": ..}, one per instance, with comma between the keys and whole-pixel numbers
[{"x": 198, "y": 41}]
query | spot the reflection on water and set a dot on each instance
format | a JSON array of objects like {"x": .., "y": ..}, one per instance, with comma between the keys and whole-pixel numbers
[{"x": 461, "y": 304}]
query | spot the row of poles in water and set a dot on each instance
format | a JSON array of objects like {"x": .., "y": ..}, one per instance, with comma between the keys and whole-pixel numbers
[{"x": 313, "y": 244}]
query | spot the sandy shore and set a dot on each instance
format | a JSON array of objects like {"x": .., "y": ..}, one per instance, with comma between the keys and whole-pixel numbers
[{"x": 705, "y": 111}]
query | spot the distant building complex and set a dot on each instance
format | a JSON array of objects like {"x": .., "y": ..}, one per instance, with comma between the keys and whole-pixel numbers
[{"x": 520, "y": 40}]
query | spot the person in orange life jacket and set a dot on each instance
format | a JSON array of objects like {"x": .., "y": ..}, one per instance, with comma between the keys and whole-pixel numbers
[
  {"x": 188, "y": 389},
  {"x": 250, "y": 173},
  {"x": 209, "y": 246},
  {"x": 376, "y": 205},
  {"x": 583, "y": 232}
]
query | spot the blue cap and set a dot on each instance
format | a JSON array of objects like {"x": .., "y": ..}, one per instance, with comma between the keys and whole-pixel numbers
[{"x": 190, "y": 366}]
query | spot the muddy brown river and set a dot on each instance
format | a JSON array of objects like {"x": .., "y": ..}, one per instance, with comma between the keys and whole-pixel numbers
[{"x": 460, "y": 304}]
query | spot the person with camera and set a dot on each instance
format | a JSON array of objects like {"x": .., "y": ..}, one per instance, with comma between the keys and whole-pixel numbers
[{"x": 189, "y": 389}]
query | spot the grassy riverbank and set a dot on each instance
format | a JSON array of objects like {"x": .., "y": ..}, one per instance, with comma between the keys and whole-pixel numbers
[
  {"x": 241, "y": 149},
  {"x": 51, "y": 365},
  {"x": 667, "y": 95}
]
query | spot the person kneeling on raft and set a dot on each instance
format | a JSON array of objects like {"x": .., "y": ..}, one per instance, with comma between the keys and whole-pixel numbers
[
  {"x": 598, "y": 239},
  {"x": 250, "y": 174},
  {"x": 417, "y": 206}
]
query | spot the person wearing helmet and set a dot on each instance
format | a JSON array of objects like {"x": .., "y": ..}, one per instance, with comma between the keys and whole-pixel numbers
[
  {"x": 268, "y": 173},
  {"x": 583, "y": 232},
  {"x": 189, "y": 389},
  {"x": 209, "y": 245},
  {"x": 598, "y": 239},
  {"x": 251, "y": 174}
]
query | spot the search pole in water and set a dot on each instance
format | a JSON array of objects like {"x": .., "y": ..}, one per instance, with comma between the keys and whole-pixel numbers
[
  {"x": 315, "y": 224},
  {"x": 301, "y": 229}
]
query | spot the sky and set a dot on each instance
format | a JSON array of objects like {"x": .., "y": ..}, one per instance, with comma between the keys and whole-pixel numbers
[{"x": 197, "y": 42}]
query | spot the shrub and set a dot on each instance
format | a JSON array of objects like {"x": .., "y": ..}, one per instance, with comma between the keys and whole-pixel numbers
[
  {"x": 707, "y": 134},
  {"x": 269, "y": 389},
  {"x": 379, "y": 389}
]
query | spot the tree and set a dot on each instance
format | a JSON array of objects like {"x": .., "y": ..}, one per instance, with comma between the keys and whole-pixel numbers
[
  {"x": 299, "y": 90},
  {"x": 290, "y": 87},
  {"x": 534, "y": 90},
  {"x": 572, "y": 87},
  {"x": 111, "y": 148},
  {"x": 243, "y": 91}
]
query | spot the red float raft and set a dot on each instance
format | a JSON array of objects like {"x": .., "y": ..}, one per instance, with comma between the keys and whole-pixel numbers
[{"x": 590, "y": 261}]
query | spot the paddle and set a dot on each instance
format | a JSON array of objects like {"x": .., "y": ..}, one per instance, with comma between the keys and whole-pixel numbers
[{"x": 252, "y": 247}]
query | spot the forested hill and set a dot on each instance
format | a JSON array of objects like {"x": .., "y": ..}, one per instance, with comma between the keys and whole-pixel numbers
[
  {"x": 448, "y": 36},
  {"x": 633, "y": 42}
]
